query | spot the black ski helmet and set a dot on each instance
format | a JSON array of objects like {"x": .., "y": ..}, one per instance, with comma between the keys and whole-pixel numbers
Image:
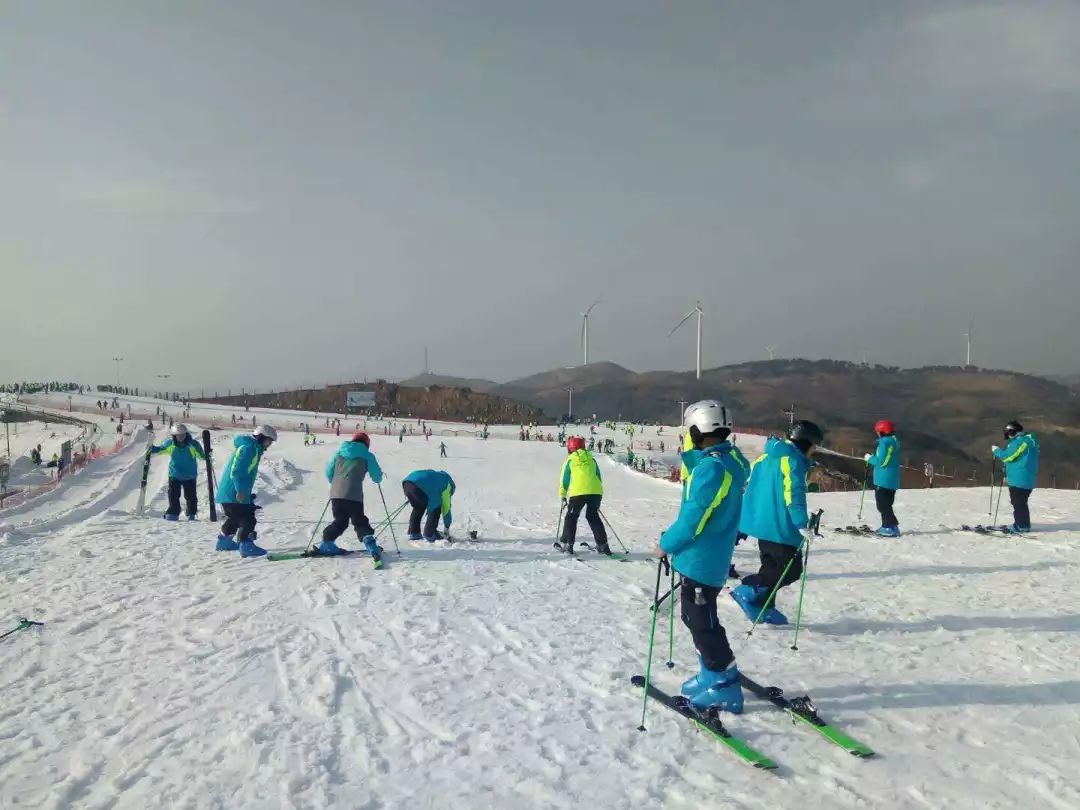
[
  {"x": 1012, "y": 429},
  {"x": 804, "y": 434}
]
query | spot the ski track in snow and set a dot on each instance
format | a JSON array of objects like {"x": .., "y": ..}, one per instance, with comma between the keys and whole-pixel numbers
[{"x": 496, "y": 673}]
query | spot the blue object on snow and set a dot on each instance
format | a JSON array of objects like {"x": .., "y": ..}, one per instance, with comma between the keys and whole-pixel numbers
[
  {"x": 171, "y": 517},
  {"x": 249, "y": 549},
  {"x": 693, "y": 685},
  {"x": 720, "y": 690},
  {"x": 328, "y": 548},
  {"x": 888, "y": 531},
  {"x": 226, "y": 543},
  {"x": 750, "y": 599},
  {"x": 373, "y": 547},
  {"x": 416, "y": 536},
  {"x": 192, "y": 516}
]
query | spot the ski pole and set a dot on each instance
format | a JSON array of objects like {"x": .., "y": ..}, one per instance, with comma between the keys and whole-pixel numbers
[
  {"x": 558, "y": 523},
  {"x": 311, "y": 540},
  {"x": 990, "y": 511},
  {"x": 652, "y": 637},
  {"x": 389, "y": 520},
  {"x": 614, "y": 533},
  {"x": 382, "y": 524},
  {"x": 997, "y": 505},
  {"x": 802, "y": 591},
  {"x": 22, "y": 625},
  {"x": 862, "y": 495},
  {"x": 671, "y": 624}
]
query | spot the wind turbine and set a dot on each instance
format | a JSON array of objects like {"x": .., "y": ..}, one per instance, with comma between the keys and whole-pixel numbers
[
  {"x": 969, "y": 334},
  {"x": 772, "y": 352},
  {"x": 585, "y": 330},
  {"x": 699, "y": 312}
]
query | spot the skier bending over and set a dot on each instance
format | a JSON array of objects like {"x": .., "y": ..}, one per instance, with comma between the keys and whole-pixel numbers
[
  {"x": 234, "y": 492},
  {"x": 701, "y": 543},
  {"x": 774, "y": 511},
  {"x": 429, "y": 491},
  {"x": 185, "y": 454},
  {"x": 886, "y": 463},
  {"x": 1021, "y": 458},
  {"x": 581, "y": 487},
  {"x": 345, "y": 472}
]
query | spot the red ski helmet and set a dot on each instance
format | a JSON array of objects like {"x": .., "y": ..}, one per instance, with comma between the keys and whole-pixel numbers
[
  {"x": 363, "y": 438},
  {"x": 575, "y": 443},
  {"x": 885, "y": 426}
]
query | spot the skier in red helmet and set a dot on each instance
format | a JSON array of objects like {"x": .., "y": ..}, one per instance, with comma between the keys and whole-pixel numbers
[
  {"x": 346, "y": 471},
  {"x": 886, "y": 463},
  {"x": 581, "y": 487}
]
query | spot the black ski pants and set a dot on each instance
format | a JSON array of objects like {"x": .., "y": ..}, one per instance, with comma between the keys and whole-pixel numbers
[
  {"x": 1021, "y": 514},
  {"x": 774, "y": 559},
  {"x": 418, "y": 500},
  {"x": 239, "y": 520},
  {"x": 591, "y": 505},
  {"x": 884, "y": 499},
  {"x": 190, "y": 496},
  {"x": 345, "y": 511},
  {"x": 699, "y": 615}
]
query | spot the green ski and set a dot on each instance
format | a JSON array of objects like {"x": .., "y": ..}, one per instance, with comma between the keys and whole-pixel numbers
[
  {"x": 707, "y": 722},
  {"x": 22, "y": 625},
  {"x": 801, "y": 708}
]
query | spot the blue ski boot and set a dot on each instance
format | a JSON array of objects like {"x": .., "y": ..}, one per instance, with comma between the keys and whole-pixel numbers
[
  {"x": 192, "y": 516},
  {"x": 249, "y": 549},
  {"x": 329, "y": 548},
  {"x": 1014, "y": 529},
  {"x": 431, "y": 538},
  {"x": 692, "y": 686},
  {"x": 751, "y": 599},
  {"x": 373, "y": 547},
  {"x": 888, "y": 531},
  {"x": 721, "y": 690},
  {"x": 167, "y": 516},
  {"x": 226, "y": 543},
  {"x": 414, "y": 536}
]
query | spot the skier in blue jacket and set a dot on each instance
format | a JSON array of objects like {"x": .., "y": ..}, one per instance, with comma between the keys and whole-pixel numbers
[
  {"x": 235, "y": 495},
  {"x": 774, "y": 511},
  {"x": 429, "y": 491},
  {"x": 886, "y": 463},
  {"x": 184, "y": 455},
  {"x": 701, "y": 543},
  {"x": 1021, "y": 459}
]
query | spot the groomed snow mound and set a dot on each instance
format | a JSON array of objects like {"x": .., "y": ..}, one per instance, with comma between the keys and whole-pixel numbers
[{"x": 496, "y": 674}]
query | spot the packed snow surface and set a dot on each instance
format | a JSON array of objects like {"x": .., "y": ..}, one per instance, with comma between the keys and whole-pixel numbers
[{"x": 496, "y": 673}]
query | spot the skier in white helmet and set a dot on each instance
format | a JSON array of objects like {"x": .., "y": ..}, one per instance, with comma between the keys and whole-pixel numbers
[
  {"x": 184, "y": 455},
  {"x": 701, "y": 543},
  {"x": 235, "y": 495}
]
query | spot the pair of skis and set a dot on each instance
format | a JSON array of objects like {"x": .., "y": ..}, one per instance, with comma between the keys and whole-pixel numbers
[
  {"x": 863, "y": 530},
  {"x": 309, "y": 553},
  {"x": 800, "y": 709},
  {"x": 980, "y": 529}
]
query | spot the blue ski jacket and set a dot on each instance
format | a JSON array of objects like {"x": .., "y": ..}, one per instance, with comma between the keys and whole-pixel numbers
[
  {"x": 238, "y": 478},
  {"x": 701, "y": 541},
  {"x": 1021, "y": 457},
  {"x": 774, "y": 507},
  {"x": 183, "y": 457},
  {"x": 439, "y": 488},
  {"x": 886, "y": 463}
]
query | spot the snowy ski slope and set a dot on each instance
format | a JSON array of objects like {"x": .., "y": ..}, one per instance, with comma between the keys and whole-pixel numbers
[{"x": 496, "y": 673}]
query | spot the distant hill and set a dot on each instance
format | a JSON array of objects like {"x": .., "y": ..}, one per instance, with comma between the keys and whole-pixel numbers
[
  {"x": 948, "y": 416},
  {"x": 424, "y": 380}
]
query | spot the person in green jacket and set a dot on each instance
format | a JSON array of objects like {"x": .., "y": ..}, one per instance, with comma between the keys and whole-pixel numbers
[{"x": 581, "y": 488}]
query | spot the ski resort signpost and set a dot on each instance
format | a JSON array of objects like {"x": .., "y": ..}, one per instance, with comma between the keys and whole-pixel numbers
[{"x": 359, "y": 400}]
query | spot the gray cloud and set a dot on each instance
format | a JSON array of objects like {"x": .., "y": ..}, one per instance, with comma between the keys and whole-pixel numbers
[{"x": 259, "y": 193}]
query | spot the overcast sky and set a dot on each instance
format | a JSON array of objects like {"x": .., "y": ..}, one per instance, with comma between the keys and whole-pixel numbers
[{"x": 261, "y": 193}]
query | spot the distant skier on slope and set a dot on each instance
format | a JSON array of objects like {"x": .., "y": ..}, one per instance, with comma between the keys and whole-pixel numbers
[
  {"x": 184, "y": 456},
  {"x": 429, "y": 491},
  {"x": 235, "y": 495},
  {"x": 345, "y": 472},
  {"x": 1021, "y": 459},
  {"x": 774, "y": 511},
  {"x": 442, "y": 449},
  {"x": 701, "y": 543},
  {"x": 581, "y": 487},
  {"x": 886, "y": 463}
]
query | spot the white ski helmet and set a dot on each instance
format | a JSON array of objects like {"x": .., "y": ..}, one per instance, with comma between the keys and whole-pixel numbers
[
  {"x": 179, "y": 430},
  {"x": 708, "y": 416},
  {"x": 265, "y": 432}
]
